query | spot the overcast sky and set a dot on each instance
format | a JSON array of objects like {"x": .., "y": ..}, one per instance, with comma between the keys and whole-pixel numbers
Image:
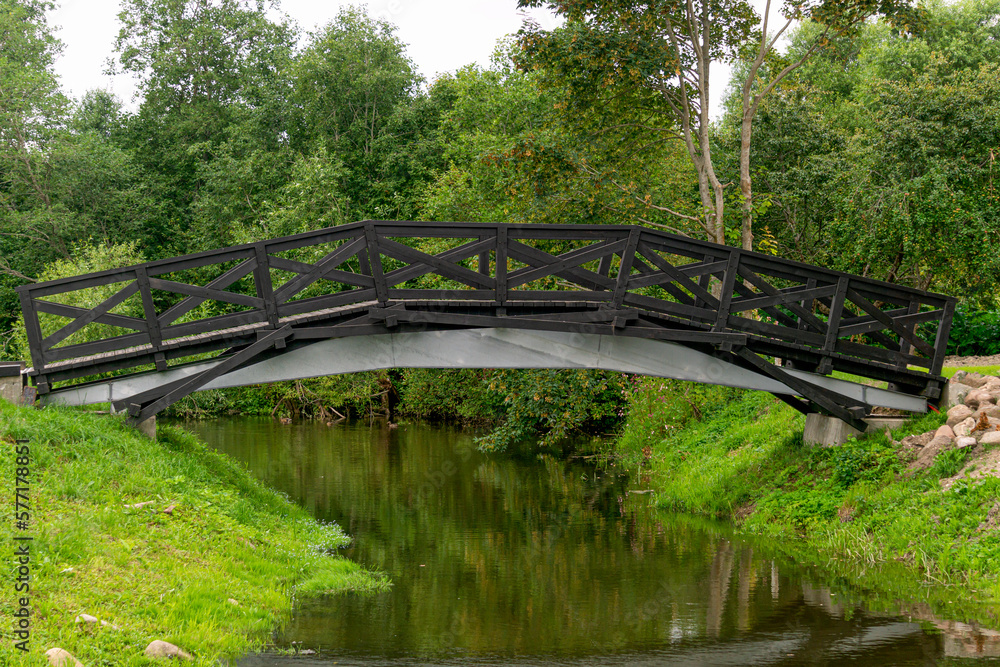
[{"x": 441, "y": 36}]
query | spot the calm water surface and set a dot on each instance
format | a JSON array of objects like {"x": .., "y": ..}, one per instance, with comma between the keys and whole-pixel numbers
[{"x": 533, "y": 560}]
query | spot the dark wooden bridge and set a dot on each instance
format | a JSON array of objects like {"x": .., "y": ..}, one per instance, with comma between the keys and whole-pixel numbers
[{"x": 184, "y": 322}]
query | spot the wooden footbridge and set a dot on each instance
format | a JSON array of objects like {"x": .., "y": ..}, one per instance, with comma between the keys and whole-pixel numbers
[{"x": 378, "y": 294}]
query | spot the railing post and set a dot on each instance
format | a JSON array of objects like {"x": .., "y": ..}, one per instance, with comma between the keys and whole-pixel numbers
[
  {"x": 34, "y": 331},
  {"x": 625, "y": 268},
  {"x": 726, "y": 293},
  {"x": 941, "y": 339},
  {"x": 265, "y": 288},
  {"x": 501, "y": 255},
  {"x": 375, "y": 264},
  {"x": 833, "y": 325},
  {"x": 152, "y": 321}
]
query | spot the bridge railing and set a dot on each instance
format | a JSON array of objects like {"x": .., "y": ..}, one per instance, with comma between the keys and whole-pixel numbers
[{"x": 629, "y": 280}]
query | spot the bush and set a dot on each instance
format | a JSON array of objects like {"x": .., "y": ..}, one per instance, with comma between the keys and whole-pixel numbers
[{"x": 974, "y": 332}]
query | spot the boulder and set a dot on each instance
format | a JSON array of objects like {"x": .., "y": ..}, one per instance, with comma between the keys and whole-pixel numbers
[
  {"x": 958, "y": 414},
  {"x": 974, "y": 380},
  {"x": 957, "y": 377},
  {"x": 965, "y": 441},
  {"x": 916, "y": 441},
  {"x": 944, "y": 431},
  {"x": 161, "y": 649},
  {"x": 990, "y": 438},
  {"x": 929, "y": 452},
  {"x": 964, "y": 428},
  {"x": 988, "y": 410},
  {"x": 978, "y": 397},
  {"x": 61, "y": 658}
]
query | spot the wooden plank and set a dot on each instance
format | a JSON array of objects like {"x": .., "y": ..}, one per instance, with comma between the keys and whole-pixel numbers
[
  {"x": 535, "y": 257},
  {"x": 768, "y": 289},
  {"x": 332, "y": 260},
  {"x": 141, "y": 413},
  {"x": 442, "y": 267},
  {"x": 502, "y": 260},
  {"x": 93, "y": 314},
  {"x": 406, "y": 273},
  {"x": 678, "y": 277},
  {"x": 73, "y": 312},
  {"x": 33, "y": 329},
  {"x": 188, "y": 304},
  {"x": 562, "y": 262},
  {"x": 326, "y": 301},
  {"x": 625, "y": 268},
  {"x": 726, "y": 293},
  {"x": 145, "y": 284},
  {"x": 900, "y": 331},
  {"x": 783, "y": 297},
  {"x": 205, "y": 293}
]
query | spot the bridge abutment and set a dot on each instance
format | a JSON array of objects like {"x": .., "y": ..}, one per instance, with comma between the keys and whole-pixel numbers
[
  {"x": 826, "y": 431},
  {"x": 11, "y": 381},
  {"x": 147, "y": 427}
]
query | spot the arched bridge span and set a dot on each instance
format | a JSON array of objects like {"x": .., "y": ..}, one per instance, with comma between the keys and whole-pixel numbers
[{"x": 379, "y": 294}]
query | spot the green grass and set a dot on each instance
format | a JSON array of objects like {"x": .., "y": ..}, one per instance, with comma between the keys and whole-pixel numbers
[
  {"x": 216, "y": 577},
  {"x": 949, "y": 371},
  {"x": 854, "y": 511}
]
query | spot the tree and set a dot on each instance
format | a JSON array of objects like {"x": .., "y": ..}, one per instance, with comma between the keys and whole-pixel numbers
[
  {"x": 656, "y": 53},
  {"x": 349, "y": 86},
  {"x": 665, "y": 48},
  {"x": 210, "y": 76}
]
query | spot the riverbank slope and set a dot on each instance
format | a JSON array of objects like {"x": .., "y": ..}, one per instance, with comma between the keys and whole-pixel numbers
[
  {"x": 163, "y": 540},
  {"x": 861, "y": 512}
]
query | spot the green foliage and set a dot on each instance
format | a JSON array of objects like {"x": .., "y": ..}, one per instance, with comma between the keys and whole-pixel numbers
[
  {"x": 552, "y": 405},
  {"x": 974, "y": 332},
  {"x": 865, "y": 460}
]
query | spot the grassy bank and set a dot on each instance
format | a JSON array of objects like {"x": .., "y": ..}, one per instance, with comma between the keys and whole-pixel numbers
[
  {"x": 215, "y": 576},
  {"x": 856, "y": 511}
]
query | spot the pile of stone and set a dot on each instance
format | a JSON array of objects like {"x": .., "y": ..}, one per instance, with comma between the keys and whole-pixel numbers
[{"x": 973, "y": 418}]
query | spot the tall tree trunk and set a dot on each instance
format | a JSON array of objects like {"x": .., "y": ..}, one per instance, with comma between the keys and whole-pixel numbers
[{"x": 746, "y": 188}]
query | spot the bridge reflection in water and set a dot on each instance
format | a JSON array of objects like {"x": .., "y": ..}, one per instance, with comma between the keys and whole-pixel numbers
[
  {"x": 615, "y": 297},
  {"x": 527, "y": 559}
]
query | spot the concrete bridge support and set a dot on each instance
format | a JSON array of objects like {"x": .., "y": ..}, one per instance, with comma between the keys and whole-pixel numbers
[
  {"x": 11, "y": 381},
  {"x": 826, "y": 431}
]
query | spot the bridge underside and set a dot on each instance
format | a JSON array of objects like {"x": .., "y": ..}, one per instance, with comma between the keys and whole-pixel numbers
[{"x": 482, "y": 348}]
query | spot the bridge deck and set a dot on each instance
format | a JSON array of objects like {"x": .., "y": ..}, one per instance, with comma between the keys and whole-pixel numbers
[{"x": 380, "y": 277}]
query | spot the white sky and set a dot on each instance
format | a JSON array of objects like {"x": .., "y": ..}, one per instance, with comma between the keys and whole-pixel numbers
[{"x": 441, "y": 36}]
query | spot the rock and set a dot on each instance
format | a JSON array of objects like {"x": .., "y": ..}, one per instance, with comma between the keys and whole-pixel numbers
[
  {"x": 110, "y": 625},
  {"x": 170, "y": 510},
  {"x": 927, "y": 454},
  {"x": 990, "y": 438},
  {"x": 974, "y": 380},
  {"x": 234, "y": 602},
  {"x": 944, "y": 431},
  {"x": 977, "y": 397},
  {"x": 965, "y": 427},
  {"x": 86, "y": 618},
  {"x": 161, "y": 649},
  {"x": 965, "y": 441},
  {"x": 62, "y": 658},
  {"x": 957, "y": 377},
  {"x": 958, "y": 414},
  {"x": 989, "y": 411},
  {"x": 916, "y": 441}
]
